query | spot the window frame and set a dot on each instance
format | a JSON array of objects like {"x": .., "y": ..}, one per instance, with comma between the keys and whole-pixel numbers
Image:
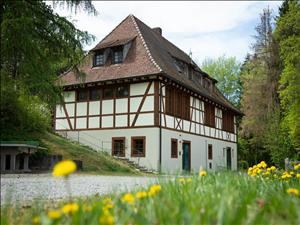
[
  {"x": 116, "y": 91},
  {"x": 209, "y": 115},
  {"x": 95, "y": 89},
  {"x": 133, "y": 139},
  {"x": 97, "y": 53},
  {"x": 118, "y": 49},
  {"x": 174, "y": 152},
  {"x": 210, "y": 152},
  {"x": 113, "y": 146},
  {"x": 87, "y": 95},
  {"x": 113, "y": 93}
]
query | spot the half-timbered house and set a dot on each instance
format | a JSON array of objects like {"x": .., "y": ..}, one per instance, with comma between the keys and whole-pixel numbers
[{"x": 144, "y": 99}]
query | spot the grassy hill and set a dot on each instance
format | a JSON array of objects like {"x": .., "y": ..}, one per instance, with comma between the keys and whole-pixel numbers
[{"x": 96, "y": 162}]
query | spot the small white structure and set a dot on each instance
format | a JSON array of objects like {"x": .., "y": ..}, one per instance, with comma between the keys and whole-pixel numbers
[{"x": 144, "y": 99}]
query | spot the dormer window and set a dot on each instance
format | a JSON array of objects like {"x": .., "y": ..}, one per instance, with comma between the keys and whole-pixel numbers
[
  {"x": 99, "y": 58},
  {"x": 117, "y": 55}
]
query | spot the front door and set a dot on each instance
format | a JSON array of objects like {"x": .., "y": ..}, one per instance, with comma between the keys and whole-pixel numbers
[
  {"x": 228, "y": 158},
  {"x": 186, "y": 156}
]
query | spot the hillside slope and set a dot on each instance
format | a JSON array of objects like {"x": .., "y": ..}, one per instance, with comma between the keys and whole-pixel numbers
[{"x": 93, "y": 161}]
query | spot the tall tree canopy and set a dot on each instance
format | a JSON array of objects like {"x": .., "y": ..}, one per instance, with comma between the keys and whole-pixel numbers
[
  {"x": 226, "y": 71},
  {"x": 287, "y": 33},
  {"x": 36, "y": 46}
]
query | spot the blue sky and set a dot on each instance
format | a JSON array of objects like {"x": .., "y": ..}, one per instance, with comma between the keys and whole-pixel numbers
[{"x": 207, "y": 28}]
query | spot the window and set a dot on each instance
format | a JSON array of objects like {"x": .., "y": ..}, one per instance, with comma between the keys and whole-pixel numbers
[
  {"x": 138, "y": 147},
  {"x": 210, "y": 152},
  {"x": 209, "y": 114},
  {"x": 108, "y": 93},
  {"x": 82, "y": 95},
  {"x": 118, "y": 146},
  {"x": 228, "y": 121},
  {"x": 122, "y": 91},
  {"x": 99, "y": 59},
  {"x": 177, "y": 103},
  {"x": 117, "y": 55},
  {"x": 174, "y": 148},
  {"x": 95, "y": 94}
]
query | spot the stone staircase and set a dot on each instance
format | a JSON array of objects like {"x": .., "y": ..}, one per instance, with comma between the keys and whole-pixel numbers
[{"x": 136, "y": 165}]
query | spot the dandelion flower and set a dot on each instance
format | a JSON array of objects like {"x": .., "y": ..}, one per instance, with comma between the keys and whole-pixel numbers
[
  {"x": 129, "y": 198},
  {"x": 202, "y": 173},
  {"x": 293, "y": 191},
  {"x": 64, "y": 168},
  {"x": 298, "y": 175},
  {"x": 54, "y": 214},
  {"x": 36, "y": 220},
  {"x": 106, "y": 218},
  {"x": 297, "y": 167},
  {"x": 70, "y": 208},
  {"x": 141, "y": 194}
]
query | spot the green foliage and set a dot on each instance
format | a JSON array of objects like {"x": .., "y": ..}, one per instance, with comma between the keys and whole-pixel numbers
[
  {"x": 36, "y": 46},
  {"x": 21, "y": 114},
  {"x": 220, "y": 198},
  {"x": 226, "y": 71},
  {"x": 287, "y": 34}
]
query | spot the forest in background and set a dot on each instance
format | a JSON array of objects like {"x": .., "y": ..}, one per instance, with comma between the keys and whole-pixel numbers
[
  {"x": 38, "y": 44},
  {"x": 266, "y": 88}
]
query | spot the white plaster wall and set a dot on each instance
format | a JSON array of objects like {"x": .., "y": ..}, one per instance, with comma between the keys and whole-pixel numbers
[
  {"x": 145, "y": 119},
  {"x": 121, "y": 121},
  {"x": 134, "y": 103},
  {"x": 70, "y": 109},
  {"x": 107, "y": 121},
  {"x": 122, "y": 105},
  {"x": 94, "y": 108},
  {"x": 81, "y": 109},
  {"x": 107, "y": 106},
  {"x": 61, "y": 124},
  {"x": 94, "y": 122},
  {"x": 198, "y": 152},
  {"x": 60, "y": 111},
  {"x": 81, "y": 123},
  {"x": 69, "y": 96},
  {"x": 148, "y": 104},
  {"x": 140, "y": 88},
  {"x": 102, "y": 139}
]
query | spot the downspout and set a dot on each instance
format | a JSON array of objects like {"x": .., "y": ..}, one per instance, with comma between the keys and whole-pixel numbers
[{"x": 160, "y": 131}]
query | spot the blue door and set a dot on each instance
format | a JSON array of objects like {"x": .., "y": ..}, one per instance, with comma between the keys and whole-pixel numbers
[{"x": 186, "y": 156}]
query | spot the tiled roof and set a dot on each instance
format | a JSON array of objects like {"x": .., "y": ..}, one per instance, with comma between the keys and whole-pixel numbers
[{"x": 150, "y": 53}]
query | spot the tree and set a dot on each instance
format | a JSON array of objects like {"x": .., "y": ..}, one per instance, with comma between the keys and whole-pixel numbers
[
  {"x": 287, "y": 34},
  {"x": 226, "y": 71},
  {"x": 36, "y": 46}
]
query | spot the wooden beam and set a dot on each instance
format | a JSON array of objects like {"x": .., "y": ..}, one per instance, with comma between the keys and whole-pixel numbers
[
  {"x": 141, "y": 104},
  {"x": 66, "y": 112}
]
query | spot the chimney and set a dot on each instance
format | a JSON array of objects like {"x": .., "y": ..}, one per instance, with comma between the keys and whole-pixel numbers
[{"x": 157, "y": 30}]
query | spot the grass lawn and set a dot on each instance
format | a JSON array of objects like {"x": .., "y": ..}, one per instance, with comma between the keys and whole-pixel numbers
[
  {"x": 93, "y": 162},
  {"x": 217, "y": 198}
]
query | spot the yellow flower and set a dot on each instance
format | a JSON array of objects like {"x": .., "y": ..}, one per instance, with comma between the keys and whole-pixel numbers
[
  {"x": 273, "y": 168},
  {"x": 154, "y": 189},
  {"x": 293, "y": 191},
  {"x": 36, "y": 220},
  {"x": 297, "y": 167},
  {"x": 70, "y": 208},
  {"x": 202, "y": 173},
  {"x": 262, "y": 164},
  {"x": 298, "y": 175},
  {"x": 87, "y": 208},
  {"x": 129, "y": 198},
  {"x": 64, "y": 168},
  {"x": 189, "y": 180},
  {"x": 141, "y": 194},
  {"x": 106, "y": 218},
  {"x": 267, "y": 173},
  {"x": 54, "y": 214},
  {"x": 181, "y": 180}
]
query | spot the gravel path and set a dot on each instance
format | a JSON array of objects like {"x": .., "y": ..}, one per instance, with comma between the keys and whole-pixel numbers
[{"x": 24, "y": 188}]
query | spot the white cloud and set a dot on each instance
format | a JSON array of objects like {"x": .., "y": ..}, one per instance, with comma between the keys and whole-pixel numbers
[{"x": 199, "y": 26}]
